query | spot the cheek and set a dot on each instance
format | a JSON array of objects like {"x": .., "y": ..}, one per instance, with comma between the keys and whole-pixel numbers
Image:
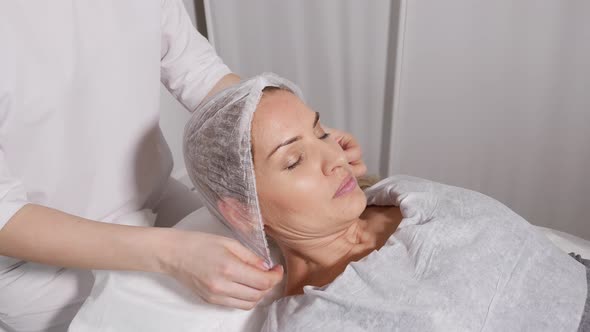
[
  {"x": 299, "y": 200},
  {"x": 303, "y": 201},
  {"x": 293, "y": 194}
]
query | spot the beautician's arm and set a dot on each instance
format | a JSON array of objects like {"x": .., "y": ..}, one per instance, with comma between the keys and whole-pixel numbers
[
  {"x": 213, "y": 266},
  {"x": 224, "y": 82},
  {"x": 189, "y": 66}
]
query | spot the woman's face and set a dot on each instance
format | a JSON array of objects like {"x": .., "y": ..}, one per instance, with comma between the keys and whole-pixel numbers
[{"x": 305, "y": 186}]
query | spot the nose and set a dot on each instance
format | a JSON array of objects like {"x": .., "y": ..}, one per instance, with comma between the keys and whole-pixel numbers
[{"x": 333, "y": 158}]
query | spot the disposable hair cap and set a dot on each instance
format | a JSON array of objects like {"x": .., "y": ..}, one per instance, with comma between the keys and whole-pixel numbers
[{"x": 218, "y": 157}]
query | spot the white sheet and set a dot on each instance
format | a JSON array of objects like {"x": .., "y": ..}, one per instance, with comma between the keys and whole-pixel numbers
[
  {"x": 567, "y": 242},
  {"x": 133, "y": 301},
  {"x": 459, "y": 261},
  {"x": 138, "y": 301}
]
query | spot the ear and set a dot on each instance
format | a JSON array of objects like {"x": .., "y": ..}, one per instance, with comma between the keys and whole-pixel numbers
[{"x": 236, "y": 215}]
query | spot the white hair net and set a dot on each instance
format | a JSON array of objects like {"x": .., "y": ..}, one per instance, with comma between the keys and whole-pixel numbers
[{"x": 218, "y": 157}]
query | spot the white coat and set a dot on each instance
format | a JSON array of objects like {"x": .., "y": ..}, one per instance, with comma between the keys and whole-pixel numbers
[{"x": 79, "y": 99}]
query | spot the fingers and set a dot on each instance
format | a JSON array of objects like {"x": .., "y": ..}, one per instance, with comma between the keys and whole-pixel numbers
[
  {"x": 337, "y": 135},
  {"x": 241, "y": 292},
  {"x": 352, "y": 151},
  {"x": 249, "y": 269},
  {"x": 252, "y": 277},
  {"x": 359, "y": 169},
  {"x": 247, "y": 256},
  {"x": 231, "y": 302},
  {"x": 233, "y": 292},
  {"x": 228, "y": 275},
  {"x": 346, "y": 140},
  {"x": 353, "y": 154}
]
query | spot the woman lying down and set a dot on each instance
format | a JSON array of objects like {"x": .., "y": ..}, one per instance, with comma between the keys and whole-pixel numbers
[{"x": 406, "y": 254}]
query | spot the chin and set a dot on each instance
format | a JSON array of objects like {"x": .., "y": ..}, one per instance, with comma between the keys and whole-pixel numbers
[{"x": 354, "y": 204}]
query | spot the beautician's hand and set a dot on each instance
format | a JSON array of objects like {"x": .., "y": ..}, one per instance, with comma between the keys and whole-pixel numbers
[
  {"x": 219, "y": 269},
  {"x": 352, "y": 149}
]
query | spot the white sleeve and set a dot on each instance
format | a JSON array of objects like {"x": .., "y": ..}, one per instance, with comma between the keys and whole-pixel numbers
[
  {"x": 12, "y": 193},
  {"x": 189, "y": 65}
]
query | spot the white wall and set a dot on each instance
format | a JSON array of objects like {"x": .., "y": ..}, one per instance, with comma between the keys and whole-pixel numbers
[
  {"x": 494, "y": 96},
  {"x": 335, "y": 50}
]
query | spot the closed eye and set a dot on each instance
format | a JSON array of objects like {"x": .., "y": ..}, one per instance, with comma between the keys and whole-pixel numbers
[{"x": 293, "y": 165}]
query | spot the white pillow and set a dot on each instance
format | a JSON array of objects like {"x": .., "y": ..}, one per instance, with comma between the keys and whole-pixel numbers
[
  {"x": 567, "y": 242},
  {"x": 138, "y": 301}
]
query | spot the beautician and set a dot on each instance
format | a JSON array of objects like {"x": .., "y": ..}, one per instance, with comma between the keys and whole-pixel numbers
[{"x": 80, "y": 146}]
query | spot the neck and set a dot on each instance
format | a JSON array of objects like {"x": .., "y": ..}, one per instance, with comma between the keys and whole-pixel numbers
[{"x": 319, "y": 261}]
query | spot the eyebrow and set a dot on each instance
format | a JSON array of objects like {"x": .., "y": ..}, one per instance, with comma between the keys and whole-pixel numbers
[{"x": 294, "y": 139}]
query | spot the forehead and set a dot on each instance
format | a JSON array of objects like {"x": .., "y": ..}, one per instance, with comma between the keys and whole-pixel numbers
[
  {"x": 279, "y": 104},
  {"x": 279, "y": 115},
  {"x": 280, "y": 110}
]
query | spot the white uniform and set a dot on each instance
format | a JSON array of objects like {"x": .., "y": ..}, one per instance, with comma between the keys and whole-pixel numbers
[{"x": 79, "y": 98}]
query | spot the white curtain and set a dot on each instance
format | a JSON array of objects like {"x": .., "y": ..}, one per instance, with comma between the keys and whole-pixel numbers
[
  {"x": 335, "y": 50},
  {"x": 495, "y": 96},
  {"x": 489, "y": 95}
]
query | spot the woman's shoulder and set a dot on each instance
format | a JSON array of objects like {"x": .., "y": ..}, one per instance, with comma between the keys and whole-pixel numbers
[
  {"x": 400, "y": 179},
  {"x": 418, "y": 196},
  {"x": 388, "y": 190}
]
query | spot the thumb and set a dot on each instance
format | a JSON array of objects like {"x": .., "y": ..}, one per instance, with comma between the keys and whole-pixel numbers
[
  {"x": 353, "y": 154},
  {"x": 337, "y": 135},
  {"x": 247, "y": 256}
]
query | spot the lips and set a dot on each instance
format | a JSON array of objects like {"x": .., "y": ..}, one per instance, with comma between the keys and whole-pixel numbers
[{"x": 347, "y": 185}]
